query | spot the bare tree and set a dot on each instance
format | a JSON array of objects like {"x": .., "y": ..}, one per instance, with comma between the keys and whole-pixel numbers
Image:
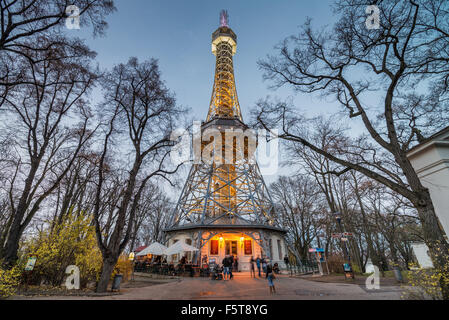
[
  {"x": 144, "y": 210},
  {"x": 156, "y": 218},
  {"x": 50, "y": 121},
  {"x": 38, "y": 25},
  {"x": 141, "y": 113},
  {"x": 301, "y": 207},
  {"x": 74, "y": 193},
  {"x": 22, "y": 19},
  {"x": 404, "y": 51}
]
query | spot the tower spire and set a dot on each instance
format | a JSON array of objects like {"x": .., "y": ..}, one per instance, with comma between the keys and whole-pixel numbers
[
  {"x": 224, "y": 19},
  {"x": 224, "y": 101}
]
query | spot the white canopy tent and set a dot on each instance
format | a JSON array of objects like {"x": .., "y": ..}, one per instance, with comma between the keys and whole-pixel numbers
[
  {"x": 155, "y": 248},
  {"x": 179, "y": 247}
]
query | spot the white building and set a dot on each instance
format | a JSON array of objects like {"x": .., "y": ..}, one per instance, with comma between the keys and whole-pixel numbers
[{"x": 430, "y": 159}]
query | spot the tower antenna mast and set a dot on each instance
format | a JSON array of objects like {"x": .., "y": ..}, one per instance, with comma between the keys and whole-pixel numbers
[{"x": 224, "y": 19}]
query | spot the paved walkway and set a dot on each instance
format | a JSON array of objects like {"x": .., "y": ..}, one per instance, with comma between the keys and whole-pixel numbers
[{"x": 244, "y": 287}]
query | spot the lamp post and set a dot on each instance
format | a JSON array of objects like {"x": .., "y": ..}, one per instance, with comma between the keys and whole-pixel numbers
[
  {"x": 347, "y": 267},
  {"x": 322, "y": 256}
]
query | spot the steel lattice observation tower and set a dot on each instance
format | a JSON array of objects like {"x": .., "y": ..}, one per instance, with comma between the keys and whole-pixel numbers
[{"x": 225, "y": 206}]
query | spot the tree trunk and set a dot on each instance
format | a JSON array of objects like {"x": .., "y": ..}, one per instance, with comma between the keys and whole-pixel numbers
[
  {"x": 106, "y": 272},
  {"x": 14, "y": 234},
  {"x": 12, "y": 247},
  {"x": 435, "y": 239}
]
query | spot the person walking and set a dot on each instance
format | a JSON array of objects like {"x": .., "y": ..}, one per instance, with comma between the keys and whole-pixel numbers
[
  {"x": 258, "y": 264},
  {"x": 270, "y": 277},
  {"x": 226, "y": 267},
  {"x": 252, "y": 267}
]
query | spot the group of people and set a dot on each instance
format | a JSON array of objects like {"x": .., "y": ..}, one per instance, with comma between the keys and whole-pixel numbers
[
  {"x": 263, "y": 264},
  {"x": 268, "y": 269},
  {"x": 229, "y": 263}
]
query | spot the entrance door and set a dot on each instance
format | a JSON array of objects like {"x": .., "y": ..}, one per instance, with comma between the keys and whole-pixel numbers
[{"x": 231, "y": 247}]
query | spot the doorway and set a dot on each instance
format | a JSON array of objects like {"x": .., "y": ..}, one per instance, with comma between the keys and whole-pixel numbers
[{"x": 231, "y": 247}]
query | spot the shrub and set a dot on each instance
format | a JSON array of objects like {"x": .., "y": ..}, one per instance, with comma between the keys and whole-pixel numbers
[
  {"x": 124, "y": 266},
  {"x": 335, "y": 263},
  {"x": 72, "y": 242},
  {"x": 427, "y": 283},
  {"x": 9, "y": 281}
]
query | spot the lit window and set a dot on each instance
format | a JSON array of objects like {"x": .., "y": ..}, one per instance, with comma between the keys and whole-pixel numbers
[
  {"x": 247, "y": 245},
  {"x": 213, "y": 247},
  {"x": 280, "y": 249}
]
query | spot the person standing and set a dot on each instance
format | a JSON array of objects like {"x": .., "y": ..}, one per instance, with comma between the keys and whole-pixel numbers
[
  {"x": 270, "y": 277},
  {"x": 258, "y": 264},
  {"x": 226, "y": 266},
  {"x": 264, "y": 266},
  {"x": 231, "y": 262},
  {"x": 286, "y": 261},
  {"x": 252, "y": 267}
]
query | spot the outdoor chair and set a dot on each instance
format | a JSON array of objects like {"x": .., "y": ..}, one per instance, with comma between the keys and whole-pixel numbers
[
  {"x": 205, "y": 272},
  {"x": 187, "y": 269},
  {"x": 179, "y": 271},
  {"x": 171, "y": 270},
  {"x": 165, "y": 269}
]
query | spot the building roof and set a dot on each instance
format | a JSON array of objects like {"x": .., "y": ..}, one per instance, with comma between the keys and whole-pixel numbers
[
  {"x": 226, "y": 221},
  {"x": 443, "y": 134},
  {"x": 225, "y": 226},
  {"x": 139, "y": 249}
]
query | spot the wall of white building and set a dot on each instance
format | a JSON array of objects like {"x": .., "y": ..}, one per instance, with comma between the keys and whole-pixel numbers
[
  {"x": 278, "y": 249},
  {"x": 431, "y": 162}
]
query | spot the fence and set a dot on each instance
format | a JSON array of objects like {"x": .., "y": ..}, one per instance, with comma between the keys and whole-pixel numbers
[
  {"x": 171, "y": 270},
  {"x": 303, "y": 267}
]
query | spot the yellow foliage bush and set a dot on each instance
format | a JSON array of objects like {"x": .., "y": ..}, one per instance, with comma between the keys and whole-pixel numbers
[
  {"x": 124, "y": 266},
  {"x": 9, "y": 281},
  {"x": 427, "y": 283},
  {"x": 73, "y": 242}
]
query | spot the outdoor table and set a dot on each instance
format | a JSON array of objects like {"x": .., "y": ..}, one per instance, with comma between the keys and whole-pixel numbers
[
  {"x": 195, "y": 270},
  {"x": 171, "y": 269},
  {"x": 188, "y": 269},
  {"x": 165, "y": 268}
]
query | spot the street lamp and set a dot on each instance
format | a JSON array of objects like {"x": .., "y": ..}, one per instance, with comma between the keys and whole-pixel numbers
[{"x": 347, "y": 266}]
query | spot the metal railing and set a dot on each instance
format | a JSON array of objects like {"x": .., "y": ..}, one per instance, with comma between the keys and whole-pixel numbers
[
  {"x": 303, "y": 267},
  {"x": 171, "y": 270}
]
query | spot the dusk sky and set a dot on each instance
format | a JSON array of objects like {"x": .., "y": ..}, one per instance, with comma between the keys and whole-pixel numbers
[{"x": 178, "y": 34}]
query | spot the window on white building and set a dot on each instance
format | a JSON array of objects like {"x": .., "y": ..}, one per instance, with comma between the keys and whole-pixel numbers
[{"x": 280, "y": 249}]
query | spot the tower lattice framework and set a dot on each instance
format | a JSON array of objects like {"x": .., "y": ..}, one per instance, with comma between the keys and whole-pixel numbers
[{"x": 229, "y": 188}]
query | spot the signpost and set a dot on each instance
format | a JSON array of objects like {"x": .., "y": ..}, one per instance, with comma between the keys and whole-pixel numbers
[
  {"x": 320, "y": 258},
  {"x": 342, "y": 235},
  {"x": 336, "y": 235},
  {"x": 349, "y": 273},
  {"x": 29, "y": 267},
  {"x": 30, "y": 263}
]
